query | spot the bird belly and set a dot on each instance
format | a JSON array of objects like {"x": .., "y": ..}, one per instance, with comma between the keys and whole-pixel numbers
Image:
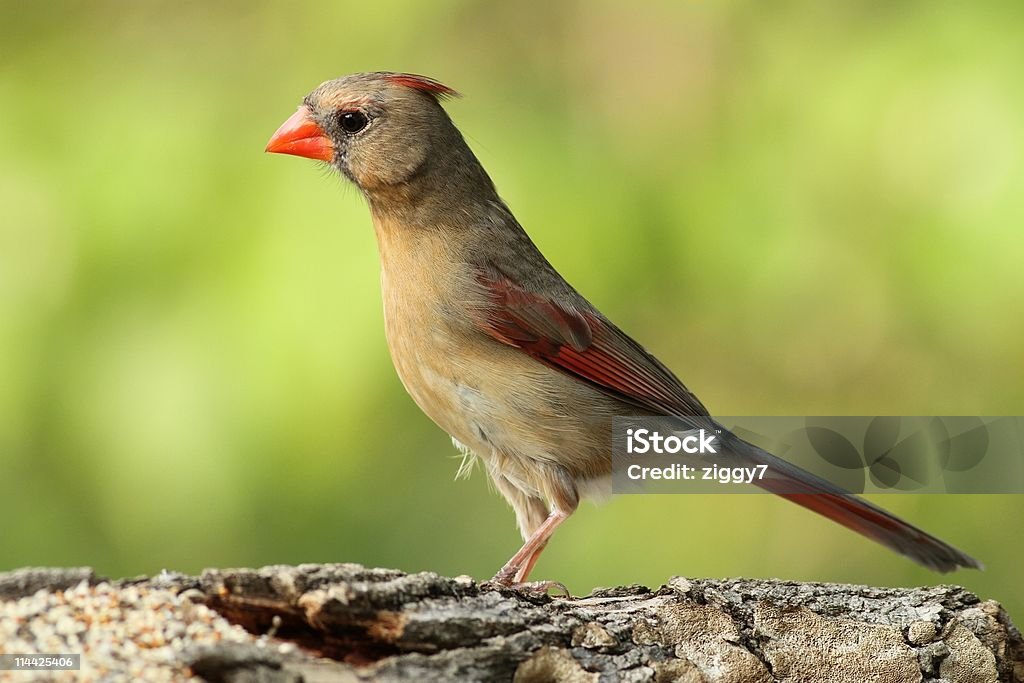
[{"x": 541, "y": 430}]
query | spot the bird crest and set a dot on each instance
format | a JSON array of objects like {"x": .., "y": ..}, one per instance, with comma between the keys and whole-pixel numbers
[{"x": 423, "y": 84}]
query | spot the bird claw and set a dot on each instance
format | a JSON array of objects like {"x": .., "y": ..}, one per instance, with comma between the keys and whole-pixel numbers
[
  {"x": 543, "y": 588},
  {"x": 527, "y": 589}
]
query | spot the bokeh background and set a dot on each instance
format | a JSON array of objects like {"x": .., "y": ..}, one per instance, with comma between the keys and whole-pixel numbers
[{"x": 802, "y": 208}]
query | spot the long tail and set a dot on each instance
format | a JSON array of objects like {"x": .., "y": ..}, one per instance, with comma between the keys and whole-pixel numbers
[{"x": 853, "y": 512}]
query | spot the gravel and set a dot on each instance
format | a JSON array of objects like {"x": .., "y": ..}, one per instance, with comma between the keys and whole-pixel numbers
[{"x": 132, "y": 633}]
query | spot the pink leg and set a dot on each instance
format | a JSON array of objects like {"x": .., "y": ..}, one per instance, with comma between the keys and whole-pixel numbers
[
  {"x": 524, "y": 571},
  {"x": 518, "y": 568}
]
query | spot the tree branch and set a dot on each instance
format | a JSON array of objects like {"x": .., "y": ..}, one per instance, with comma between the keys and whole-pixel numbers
[{"x": 349, "y": 623}]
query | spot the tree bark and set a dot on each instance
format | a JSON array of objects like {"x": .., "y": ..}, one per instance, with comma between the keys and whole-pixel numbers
[{"x": 349, "y": 623}]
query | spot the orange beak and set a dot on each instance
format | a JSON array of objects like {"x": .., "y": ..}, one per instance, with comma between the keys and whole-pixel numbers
[{"x": 302, "y": 136}]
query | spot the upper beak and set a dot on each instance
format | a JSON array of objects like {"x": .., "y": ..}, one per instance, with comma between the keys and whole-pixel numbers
[{"x": 302, "y": 136}]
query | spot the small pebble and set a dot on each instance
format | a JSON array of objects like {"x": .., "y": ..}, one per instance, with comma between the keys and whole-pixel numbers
[
  {"x": 126, "y": 634},
  {"x": 921, "y": 632}
]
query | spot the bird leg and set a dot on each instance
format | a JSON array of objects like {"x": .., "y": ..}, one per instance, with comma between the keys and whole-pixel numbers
[
  {"x": 518, "y": 568},
  {"x": 527, "y": 567}
]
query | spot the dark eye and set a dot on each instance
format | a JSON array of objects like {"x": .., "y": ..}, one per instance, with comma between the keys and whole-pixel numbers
[{"x": 352, "y": 121}]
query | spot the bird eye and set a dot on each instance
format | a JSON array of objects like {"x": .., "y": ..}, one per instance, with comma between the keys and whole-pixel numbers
[{"x": 352, "y": 121}]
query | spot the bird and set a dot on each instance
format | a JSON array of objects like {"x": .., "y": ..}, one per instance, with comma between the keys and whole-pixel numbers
[{"x": 493, "y": 344}]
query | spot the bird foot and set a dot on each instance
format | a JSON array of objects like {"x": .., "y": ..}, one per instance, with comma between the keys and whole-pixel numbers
[{"x": 527, "y": 589}]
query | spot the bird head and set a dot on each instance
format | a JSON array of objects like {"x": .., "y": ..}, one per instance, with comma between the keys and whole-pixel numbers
[{"x": 377, "y": 129}]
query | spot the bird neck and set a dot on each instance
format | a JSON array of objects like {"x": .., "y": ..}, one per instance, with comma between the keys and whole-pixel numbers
[{"x": 448, "y": 190}]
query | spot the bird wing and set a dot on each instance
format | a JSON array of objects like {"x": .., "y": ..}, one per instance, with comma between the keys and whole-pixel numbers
[{"x": 583, "y": 344}]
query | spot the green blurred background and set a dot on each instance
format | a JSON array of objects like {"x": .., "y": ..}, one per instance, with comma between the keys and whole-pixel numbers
[{"x": 802, "y": 208}]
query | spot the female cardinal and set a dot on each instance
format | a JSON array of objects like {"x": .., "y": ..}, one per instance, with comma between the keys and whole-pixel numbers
[{"x": 492, "y": 343}]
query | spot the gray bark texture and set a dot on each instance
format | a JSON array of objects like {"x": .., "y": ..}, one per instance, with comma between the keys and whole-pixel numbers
[{"x": 346, "y": 622}]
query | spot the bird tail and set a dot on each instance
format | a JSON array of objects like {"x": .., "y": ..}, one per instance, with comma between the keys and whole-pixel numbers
[{"x": 853, "y": 512}]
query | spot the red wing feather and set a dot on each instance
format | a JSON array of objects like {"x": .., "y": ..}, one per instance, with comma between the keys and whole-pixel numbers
[{"x": 584, "y": 345}]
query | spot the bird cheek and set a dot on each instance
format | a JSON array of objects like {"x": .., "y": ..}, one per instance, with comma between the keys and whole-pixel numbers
[
  {"x": 356, "y": 169},
  {"x": 341, "y": 162}
]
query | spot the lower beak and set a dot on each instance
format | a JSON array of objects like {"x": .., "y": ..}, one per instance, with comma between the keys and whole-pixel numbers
[{"x": 302, "y": 136}]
